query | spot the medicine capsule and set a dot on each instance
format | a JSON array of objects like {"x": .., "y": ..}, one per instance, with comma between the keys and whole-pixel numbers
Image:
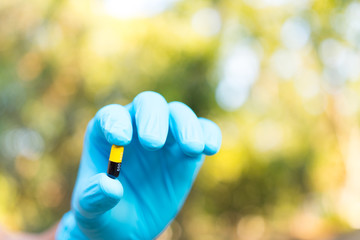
[{"x": 115, "y": 160}]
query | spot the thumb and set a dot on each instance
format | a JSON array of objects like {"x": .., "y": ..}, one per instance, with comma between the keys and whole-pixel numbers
[{"x": 98, "y": 195}]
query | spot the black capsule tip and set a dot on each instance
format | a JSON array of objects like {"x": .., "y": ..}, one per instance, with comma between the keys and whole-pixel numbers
[{"x": 113, "y": 169}]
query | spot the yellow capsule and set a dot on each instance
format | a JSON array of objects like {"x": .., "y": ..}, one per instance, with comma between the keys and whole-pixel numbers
[
  {"x": 116, "y": 153},
  {"x": 115, "y": 159}
]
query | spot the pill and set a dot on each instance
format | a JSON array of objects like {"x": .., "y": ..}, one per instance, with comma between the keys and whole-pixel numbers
[{"x": 115, "y": 160}]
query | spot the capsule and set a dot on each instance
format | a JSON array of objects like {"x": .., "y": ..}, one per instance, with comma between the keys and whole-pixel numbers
[{"x": 115, "y": 160}]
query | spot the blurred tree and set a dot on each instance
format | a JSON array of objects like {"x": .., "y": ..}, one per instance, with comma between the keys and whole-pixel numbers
[{"x": 289, "y": 143}]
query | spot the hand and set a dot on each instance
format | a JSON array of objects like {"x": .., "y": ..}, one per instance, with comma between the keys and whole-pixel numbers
[{"x": 165, "y": 146}]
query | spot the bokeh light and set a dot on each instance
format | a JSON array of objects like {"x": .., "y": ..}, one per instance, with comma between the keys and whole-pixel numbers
[
  {"x": 136, "y": 9},
  {"x": 238, "y": 71},
  {"x": 22, "y": 142},
  {"x": 206, "y": 22}
]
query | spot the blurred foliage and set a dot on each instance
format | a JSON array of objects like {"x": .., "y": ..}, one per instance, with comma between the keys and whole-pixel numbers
[{"x": 288, "y": 165}]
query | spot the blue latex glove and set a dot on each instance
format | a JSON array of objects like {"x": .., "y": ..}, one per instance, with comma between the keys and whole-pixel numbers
[{"x": 165, "y": 144}]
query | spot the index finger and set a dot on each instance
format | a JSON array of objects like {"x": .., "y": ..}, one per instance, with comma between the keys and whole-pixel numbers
[{"x": 113, "y": 123}]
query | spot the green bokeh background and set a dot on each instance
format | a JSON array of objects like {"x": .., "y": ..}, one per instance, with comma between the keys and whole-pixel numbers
[{"x": 286, "y": 169}]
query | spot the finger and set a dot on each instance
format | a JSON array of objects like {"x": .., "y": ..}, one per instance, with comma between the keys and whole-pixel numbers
[
  {"x": 98, "y": 195},
  {"x": 186, "y": 129},
  {"x": 151, "y": 113},
  {"x": 113, "y": 122},
  {"x": 212, "y": 136}
]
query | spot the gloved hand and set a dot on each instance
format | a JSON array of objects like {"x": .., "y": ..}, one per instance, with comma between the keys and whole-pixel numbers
[{"x": 165, "y": 146}]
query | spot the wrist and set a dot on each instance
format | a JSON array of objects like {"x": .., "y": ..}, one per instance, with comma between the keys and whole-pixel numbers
[{"x": 68, "y": 229}]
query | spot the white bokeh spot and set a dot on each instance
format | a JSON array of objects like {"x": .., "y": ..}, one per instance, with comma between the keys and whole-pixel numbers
[
  {"x": 206, "y": 22},
  {"x": 136, "y": 8}
]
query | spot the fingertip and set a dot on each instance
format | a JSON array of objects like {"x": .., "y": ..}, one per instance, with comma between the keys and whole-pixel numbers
[
  {"x": 99, "y": 194},
  {"x": 213, "y": 136},
  {"x": 149, "y": 96},
  {"x": 151, "y": 142},
  {"x": 211, "y": 149},
  {"x": 192, "y": 148},
  {"x": 118, "y": 135},
  {"x": 111, "y": 188},
  {"x": 115, "y": 124},
  {"x": 151, "y": 113},
  {"x": 179, "y": 106},
  {"x": 186, "y": 129}
]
